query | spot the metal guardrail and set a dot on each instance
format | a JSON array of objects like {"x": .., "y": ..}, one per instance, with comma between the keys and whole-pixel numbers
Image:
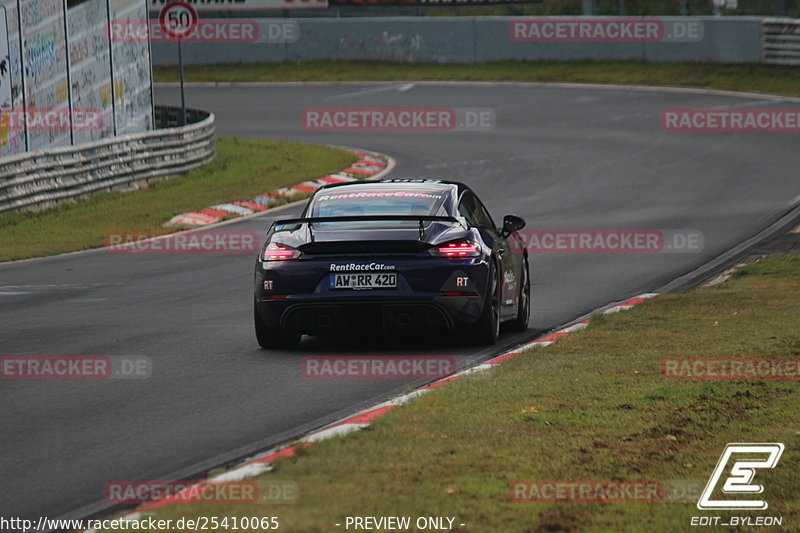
[
  {"x": 780, "y": 41},
  {"x": 40, "y": 179}
]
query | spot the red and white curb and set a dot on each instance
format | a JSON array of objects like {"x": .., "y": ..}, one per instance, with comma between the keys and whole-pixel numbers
[
  {"x": 263, "y": 462},
  {"x": 368, "y": 165}
]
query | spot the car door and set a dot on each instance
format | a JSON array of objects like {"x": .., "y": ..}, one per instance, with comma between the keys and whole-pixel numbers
[{"x": 472, "y": 209}]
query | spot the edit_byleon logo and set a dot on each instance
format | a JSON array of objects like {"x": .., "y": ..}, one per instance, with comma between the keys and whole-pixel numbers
[{"x": 747, "y": 458}]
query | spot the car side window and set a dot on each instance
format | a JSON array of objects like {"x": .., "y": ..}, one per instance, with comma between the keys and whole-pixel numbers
[
  {"x": 471, "y": 209},
  {"x": 466, "y": 208},
  {"x": 483, "y": 216}
]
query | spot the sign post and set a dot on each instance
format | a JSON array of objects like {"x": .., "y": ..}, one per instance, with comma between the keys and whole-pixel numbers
[{"x": 178, "y": 20}]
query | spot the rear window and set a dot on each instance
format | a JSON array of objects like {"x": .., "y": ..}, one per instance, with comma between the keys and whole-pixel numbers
[
  {"x": 383, "y": 202},
  {"x": 338, "y": 204}
]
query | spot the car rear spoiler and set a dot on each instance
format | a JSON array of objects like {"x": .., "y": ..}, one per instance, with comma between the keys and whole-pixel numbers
[{"x": 370, "y": 218}]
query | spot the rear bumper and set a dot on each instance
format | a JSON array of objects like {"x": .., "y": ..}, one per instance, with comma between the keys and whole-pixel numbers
[
  {"x": 363, "y": 315},
  {"x": 430, "y": 294}
]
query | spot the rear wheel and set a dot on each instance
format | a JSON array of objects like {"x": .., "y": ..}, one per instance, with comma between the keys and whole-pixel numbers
[
  {"x": 487, "y": 329},
  {"x": 273, "y": 338},
  {"x": 520, "y": 323}
]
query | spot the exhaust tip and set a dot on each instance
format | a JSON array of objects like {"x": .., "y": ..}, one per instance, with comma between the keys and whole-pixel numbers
[
  {"x": 403, "y": 320},
  {"x": 323, "y": 321}
]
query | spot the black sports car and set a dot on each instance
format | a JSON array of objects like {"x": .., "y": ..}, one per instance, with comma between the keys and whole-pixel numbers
[{"x": 394, "y": 255}]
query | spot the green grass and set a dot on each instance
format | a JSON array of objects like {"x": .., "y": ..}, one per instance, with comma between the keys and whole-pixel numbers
[
  {"x": 758, "y": 78},
  {"x": 242, "y": 169},
  {"x": 592, "y": 406}
]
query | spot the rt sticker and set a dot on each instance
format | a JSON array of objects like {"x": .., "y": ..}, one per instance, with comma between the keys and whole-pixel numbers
[{"x": 459, "y": 281}]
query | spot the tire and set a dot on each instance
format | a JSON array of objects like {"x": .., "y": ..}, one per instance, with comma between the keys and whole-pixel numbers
[
  {"x": 487, "y": 329},
  {"x": 520, "y": 323},
  {"x": 273, "y": 338}
]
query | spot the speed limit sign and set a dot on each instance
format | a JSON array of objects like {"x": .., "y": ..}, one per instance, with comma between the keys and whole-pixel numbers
[{"x": 178, "y": 20}]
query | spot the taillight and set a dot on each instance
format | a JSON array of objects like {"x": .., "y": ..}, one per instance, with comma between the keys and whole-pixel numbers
[
  {"x": 456, "y": 249},
  {"x": 279, "y": 252}
]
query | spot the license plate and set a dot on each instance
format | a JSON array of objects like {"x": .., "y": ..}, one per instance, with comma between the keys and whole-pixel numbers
[{"x": 364, "y": 281}]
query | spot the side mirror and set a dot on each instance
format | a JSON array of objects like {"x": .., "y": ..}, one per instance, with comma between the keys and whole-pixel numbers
[{"x": 512, "y": 223}]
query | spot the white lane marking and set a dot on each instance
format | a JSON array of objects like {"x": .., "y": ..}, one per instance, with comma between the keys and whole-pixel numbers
[
  {"x": 362, "y": 92},
  {"x": 250, "y": 470},
  {"x": 757, "y": 103},
  {"x": 16, "y": 290},
  {"x": 43, "y": 287},
  {"x": 335, "y": 431},
  {"x": 616, "y": 309},
  {"x": 574, "y": 327}
]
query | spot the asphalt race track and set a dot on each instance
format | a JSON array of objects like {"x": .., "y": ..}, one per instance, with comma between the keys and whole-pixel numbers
[{"x": 561, "y": 157}]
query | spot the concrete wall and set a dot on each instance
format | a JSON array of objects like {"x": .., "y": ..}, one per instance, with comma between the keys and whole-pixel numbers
[{"x": 475, "y": 39}]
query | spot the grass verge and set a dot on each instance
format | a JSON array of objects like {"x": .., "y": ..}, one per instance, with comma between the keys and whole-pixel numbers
[
  {"x": 757, "y": 78},
  {"x": 242, "y": 169},
  {"x": 592, "y": 406}
]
